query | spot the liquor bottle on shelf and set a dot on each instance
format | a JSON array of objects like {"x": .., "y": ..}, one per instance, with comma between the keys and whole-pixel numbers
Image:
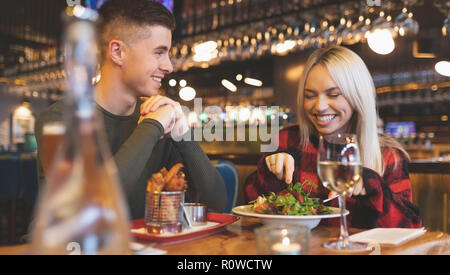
[
  {"x": 214, "y": 14},
  {"x": 189, "y": 6},
  {"x": 222, "y": 12},
  {"x": 183, "y": 24},
  {"x": 227, "y": 11},
  {"x": 82, "y": 208},
  {"x": 199, "y": 13}
]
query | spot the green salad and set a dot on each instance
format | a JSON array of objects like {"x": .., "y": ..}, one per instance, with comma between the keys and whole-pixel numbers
[{"x": 291, "y": 201}]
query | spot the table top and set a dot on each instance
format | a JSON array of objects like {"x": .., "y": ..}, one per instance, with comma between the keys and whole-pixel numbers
[{"x": 238, "y": 239}]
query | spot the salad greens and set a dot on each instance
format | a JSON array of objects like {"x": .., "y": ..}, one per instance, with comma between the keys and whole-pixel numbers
[{"x": 291, "y": 201}]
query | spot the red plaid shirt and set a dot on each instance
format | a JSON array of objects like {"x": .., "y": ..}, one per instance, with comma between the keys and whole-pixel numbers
[{"x": 388, "y": 202}]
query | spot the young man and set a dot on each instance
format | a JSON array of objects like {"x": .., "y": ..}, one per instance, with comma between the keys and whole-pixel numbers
[{"x": 135, "y": 38}]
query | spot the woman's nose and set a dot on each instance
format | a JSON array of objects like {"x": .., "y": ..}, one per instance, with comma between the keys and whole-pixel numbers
[{"x": 321, "y": 103}]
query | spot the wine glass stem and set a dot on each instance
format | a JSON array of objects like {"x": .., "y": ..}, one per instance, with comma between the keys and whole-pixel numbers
[{"x": 343, "y": 237}]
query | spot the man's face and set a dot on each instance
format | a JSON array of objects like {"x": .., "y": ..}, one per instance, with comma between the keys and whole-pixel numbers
[{"x": 147, "y": 61}]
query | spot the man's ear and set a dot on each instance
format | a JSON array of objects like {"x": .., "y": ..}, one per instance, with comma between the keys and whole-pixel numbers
[{"x": 116, "y": 51}]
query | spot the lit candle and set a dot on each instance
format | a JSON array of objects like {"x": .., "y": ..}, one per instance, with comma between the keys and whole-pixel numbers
[{"x": 285, "y": 247}]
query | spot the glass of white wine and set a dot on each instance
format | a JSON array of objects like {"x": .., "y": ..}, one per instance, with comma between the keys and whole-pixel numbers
[{"x": 339, "y": 168}]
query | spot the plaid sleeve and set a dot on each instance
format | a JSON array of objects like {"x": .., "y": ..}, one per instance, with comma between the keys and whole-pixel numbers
[
  {"x": 388, "y": 202},
  {"x": 264, "y": 181}
]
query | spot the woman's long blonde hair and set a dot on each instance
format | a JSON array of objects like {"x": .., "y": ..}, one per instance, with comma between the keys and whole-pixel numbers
[{"x": 355, "y": 82}]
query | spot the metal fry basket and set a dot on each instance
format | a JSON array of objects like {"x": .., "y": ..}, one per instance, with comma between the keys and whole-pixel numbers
[{"x": 162, "y": 211}]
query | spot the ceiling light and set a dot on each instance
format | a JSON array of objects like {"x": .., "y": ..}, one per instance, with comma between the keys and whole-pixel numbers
[
  {"x": 239, "y": 77},
  {"x": 229, "y": 85},
  {"x": 205, "y": 47},
  {"x": 172, "y": 83},
  {"x": 187, "y": 93},
  {"x": 381, "y": 41},
  {"x": 286, "y": 46},
  {"x": 205, "y": 51},
  {"x": 22, "y": 112},
  {"x": 253, "y": 82},
  {"x": 443, "y": 68},
  {"x": 183, "y": 83}
]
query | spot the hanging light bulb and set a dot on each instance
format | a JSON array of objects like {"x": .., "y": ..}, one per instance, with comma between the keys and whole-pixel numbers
[
  {"x": 229, "y": 85},
  {"x": 253, "y": 82},
  {"x": 443, "y": 68},
  {"x": 206, "y": 51},
  {"x": 380, "y": 41},
  {"x": 187, "y": 93},
  {"x": 172, "y": 83},
  {"x": 23, "y": 112},
  {"x": 183, "y": 83},
  {"x": 284, "y": 47}
]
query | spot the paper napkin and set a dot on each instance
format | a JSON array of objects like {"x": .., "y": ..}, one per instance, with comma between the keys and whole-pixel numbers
[
  {"x": 388, "y": 236},
  {"x": 140, "y": 249}
]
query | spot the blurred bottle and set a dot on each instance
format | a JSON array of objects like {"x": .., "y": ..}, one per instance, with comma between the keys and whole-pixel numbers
[
  {"x": 405, "y": 139},
  {"x": 413, "y": 140},
  {"x": 82, "y": 209},
  {"x": 428, "y": 142}
]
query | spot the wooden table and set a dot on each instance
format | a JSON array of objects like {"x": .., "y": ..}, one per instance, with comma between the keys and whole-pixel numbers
[{"x": 238, "y": 239}]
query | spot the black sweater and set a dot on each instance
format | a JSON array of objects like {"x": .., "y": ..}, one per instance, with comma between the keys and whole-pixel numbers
[{"x": 139, "y": 152}]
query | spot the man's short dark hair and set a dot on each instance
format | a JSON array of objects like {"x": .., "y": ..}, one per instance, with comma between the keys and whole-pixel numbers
[{"x": 119, "y": 16}]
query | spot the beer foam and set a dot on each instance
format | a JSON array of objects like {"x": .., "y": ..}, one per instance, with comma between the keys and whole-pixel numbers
[{"x": 55, "y": 128}]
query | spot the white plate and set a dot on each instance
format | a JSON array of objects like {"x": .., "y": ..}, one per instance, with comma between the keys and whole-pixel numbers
[{"x": 309, "y": 221}]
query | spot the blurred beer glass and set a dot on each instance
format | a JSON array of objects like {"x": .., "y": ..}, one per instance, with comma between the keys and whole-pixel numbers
[{"x": 52, "y": 136}]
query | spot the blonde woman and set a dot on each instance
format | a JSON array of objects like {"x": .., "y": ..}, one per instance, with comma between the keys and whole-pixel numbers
[{"x": 337, "y": 95}]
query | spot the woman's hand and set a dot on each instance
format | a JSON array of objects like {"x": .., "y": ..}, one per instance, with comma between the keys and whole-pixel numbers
[
  {"x": 358, "y": 190},
  {"x": 282, "y": 165}
]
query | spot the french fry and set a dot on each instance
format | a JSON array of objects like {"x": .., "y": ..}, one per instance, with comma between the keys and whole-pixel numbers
[
  {"x": 172, "y": 180},
  {"x": 158, "y": 182},
  {"x": 176, "y": 183},
  {"x": 149, "y": 185},
  {"x": 164, "y": 171},
  {"x": 173, "y": 171}
]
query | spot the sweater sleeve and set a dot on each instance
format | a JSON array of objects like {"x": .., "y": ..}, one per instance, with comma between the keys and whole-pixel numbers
[
  {"x": 134, "y": 153},
  {"x": 205, "y": 183},
  {"x": 388, "y": 202},
  {"x": 263, "y": 181}
]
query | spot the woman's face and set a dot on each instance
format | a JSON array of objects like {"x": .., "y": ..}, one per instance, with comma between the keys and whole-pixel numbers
[{"x": 324, "y": 104}]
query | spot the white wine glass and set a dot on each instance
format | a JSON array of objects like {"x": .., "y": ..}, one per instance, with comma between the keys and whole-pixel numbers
[{"x": 339, "y": 168}]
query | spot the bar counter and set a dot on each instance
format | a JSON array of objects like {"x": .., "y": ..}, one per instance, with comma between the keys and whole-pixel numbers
[{"x": 421, "y": 167}]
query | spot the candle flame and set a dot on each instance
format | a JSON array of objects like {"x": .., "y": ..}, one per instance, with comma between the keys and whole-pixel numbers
[{"x": 286, "y": 241}]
